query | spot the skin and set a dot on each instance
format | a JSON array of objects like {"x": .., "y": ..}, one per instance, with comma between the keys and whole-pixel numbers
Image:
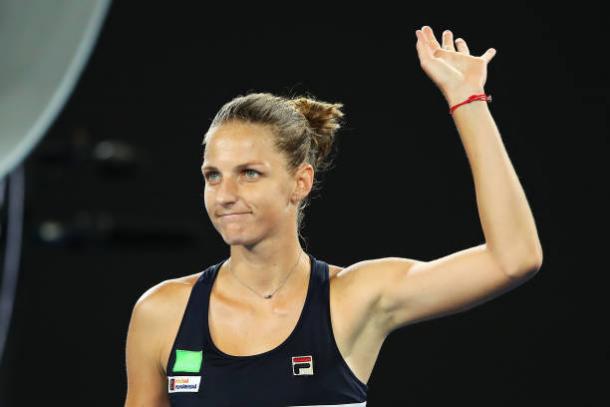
[
  {"x": 264, "y": 240},
  {"x": 369, "y": 299}
]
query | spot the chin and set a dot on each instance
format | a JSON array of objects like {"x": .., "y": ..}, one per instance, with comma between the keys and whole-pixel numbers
[{"x": 234, "y": 239}]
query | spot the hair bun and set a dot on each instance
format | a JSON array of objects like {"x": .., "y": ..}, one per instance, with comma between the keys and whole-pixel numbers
[
  {"x": 324, "y": 121},
  {"x": 323, "y": 117}
]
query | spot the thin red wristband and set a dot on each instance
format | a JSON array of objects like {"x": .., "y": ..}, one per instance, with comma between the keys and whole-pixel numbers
[{"x": 472, "y": 98}]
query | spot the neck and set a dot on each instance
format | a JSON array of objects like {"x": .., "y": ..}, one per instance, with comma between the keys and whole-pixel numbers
[{"x": 266, "y": 266}]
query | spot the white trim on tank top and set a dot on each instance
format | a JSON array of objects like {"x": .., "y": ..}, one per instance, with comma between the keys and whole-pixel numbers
[{"x": 363, "y": 404}]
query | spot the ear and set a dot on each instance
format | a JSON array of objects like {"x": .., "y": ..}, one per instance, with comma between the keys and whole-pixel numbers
[{"x": 304, "y": 178}]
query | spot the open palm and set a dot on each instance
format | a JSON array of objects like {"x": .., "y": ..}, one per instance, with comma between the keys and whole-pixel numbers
[{"x": 450, "y": 69}]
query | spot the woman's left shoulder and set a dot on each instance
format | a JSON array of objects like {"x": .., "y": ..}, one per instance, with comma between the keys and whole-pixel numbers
[{"x": 333, "y": 270}]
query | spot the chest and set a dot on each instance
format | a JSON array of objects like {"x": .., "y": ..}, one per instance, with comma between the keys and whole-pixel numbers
[{"x": 266, "y": 328}]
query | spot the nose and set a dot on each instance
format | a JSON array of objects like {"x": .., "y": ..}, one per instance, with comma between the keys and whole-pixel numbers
[{"x": 226, "y": 191}]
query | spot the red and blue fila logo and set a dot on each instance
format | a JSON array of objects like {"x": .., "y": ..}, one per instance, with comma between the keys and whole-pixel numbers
[{"x": 302, "y": 365}]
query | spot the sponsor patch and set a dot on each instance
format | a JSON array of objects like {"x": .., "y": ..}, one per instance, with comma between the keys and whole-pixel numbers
[
  {"x": 188, "y": 361},
  {"x": 178, "y": 384}
]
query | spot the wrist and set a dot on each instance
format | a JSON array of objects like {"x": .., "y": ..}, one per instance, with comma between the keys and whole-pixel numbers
[{"x": 459, "y": 95}]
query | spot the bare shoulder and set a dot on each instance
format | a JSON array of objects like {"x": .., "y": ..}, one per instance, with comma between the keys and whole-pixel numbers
[
  {"x": 359, "y": 288},
  {"x": 357, "y": 326},
  {"x": 167, "y": 294},
  {"x": 358, "y": 280},
  {"x": 333, "y": 270},
  {"x": 146, "y": 338},
  {"x": 162, "y": 305},
  {"x": 353, "y": 295}
]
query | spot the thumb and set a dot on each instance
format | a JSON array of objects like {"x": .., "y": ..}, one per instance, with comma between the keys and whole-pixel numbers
[{"x": 489, "y": 54}]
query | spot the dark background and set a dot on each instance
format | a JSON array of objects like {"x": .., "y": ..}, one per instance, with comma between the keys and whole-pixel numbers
[{"x": 156, "y": 78}]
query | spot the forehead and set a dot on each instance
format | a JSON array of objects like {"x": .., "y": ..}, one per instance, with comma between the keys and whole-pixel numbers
[{"x": 236, "y": 142}]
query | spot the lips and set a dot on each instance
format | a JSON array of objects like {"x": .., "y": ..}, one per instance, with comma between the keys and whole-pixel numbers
[{"x": 236, "y": 216}]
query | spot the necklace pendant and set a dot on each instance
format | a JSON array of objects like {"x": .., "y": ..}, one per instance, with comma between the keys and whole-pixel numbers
[{"x": 268, "y": 296}]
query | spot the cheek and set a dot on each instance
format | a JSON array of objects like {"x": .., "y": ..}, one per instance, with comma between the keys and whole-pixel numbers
[
  {"x": 207, "y": 202},
  {"x": 267, "y": 202},
  {"x": 271, "y": 204}
]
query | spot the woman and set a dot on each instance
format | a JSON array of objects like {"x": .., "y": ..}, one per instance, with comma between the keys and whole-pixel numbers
[{"x": 273, "y": 325}]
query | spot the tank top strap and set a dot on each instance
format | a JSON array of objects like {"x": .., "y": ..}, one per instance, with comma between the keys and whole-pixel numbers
[
  {"x": 191, "y": 336},
  {"x": 314, "y": 319}
]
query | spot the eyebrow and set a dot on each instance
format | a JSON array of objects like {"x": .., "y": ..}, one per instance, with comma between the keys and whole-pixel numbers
[{"x": 211, "y": 167}]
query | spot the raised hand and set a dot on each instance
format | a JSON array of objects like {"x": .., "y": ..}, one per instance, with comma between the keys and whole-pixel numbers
[{"x": 449, "y": 69}]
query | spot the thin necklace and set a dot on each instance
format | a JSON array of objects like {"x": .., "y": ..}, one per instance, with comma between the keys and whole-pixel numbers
[{"x": 269, "y": 295}]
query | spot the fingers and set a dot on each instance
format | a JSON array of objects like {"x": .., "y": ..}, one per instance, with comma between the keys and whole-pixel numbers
[
  {"x": 429, "y": 35},
  {"x": 461, "y": 46},
  {"x": 423, "y": 48},
  {"x": 429, "y": 44},
  {"x": 448, "y": 43},
  {"x": 448, "y": 40},
  {"x": 489, "y": 54}
]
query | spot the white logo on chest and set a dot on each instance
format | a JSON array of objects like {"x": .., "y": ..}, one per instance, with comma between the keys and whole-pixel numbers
[
  {"x": 302, "y": 365},
  {"x": 177, "y": 384}
]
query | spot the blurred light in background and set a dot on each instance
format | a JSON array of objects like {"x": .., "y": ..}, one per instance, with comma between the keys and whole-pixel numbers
[{"x": 44, "y": 46}]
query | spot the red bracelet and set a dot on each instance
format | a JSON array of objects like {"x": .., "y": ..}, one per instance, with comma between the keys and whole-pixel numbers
[{"x": 472, "y": 98}]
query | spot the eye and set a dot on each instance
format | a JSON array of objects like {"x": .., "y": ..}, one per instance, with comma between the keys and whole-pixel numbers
[
  {"x": 251, "y": 170},
  {"x": 207, "y": 174},
  {"x": 248, "y": 170}
]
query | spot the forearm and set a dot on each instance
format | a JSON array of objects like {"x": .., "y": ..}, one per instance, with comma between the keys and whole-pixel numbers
[{"x": 506, "y": 219}]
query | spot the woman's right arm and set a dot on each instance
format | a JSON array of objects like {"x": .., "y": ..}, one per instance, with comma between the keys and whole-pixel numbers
[{"x": 146, "y": 381}]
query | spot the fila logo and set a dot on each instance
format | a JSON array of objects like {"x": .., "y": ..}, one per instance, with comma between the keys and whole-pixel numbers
[{"x": 302, "y": 365}]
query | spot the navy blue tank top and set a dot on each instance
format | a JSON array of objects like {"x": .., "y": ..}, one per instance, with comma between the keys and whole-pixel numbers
[{"x": 307, "y": 369}]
